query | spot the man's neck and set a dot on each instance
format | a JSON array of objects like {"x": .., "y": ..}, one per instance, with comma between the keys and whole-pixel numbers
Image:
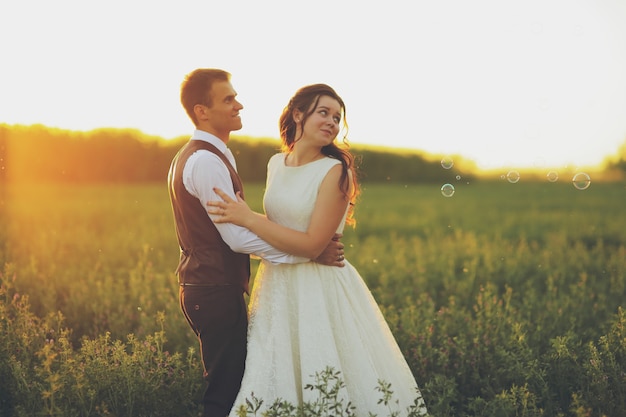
[{"x": 224, "y": 137}]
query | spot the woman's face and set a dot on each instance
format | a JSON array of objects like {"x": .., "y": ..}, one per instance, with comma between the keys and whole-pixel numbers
[{"x": 322, "y": 126}]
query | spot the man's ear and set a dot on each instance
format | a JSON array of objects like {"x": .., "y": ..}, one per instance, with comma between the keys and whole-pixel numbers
[{"x": 200, "y": 111}]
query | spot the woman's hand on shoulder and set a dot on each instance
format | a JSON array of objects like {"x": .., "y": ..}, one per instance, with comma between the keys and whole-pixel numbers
[{"x": 229, "y": 210}]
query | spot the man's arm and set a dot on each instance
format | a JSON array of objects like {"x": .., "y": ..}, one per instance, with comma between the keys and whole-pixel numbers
[{"x": 202, "y": 173}]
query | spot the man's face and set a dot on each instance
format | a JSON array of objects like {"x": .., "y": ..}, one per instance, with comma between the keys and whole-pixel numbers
[{"x": 223, "y": 115}]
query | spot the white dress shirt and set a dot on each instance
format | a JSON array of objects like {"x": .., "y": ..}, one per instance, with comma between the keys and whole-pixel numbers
[{"x": 202, "y": 172}]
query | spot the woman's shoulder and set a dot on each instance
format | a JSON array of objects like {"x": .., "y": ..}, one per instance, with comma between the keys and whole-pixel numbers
[
  {"x": 276, "y": 158},
  {"x": 330, "y": 161}
]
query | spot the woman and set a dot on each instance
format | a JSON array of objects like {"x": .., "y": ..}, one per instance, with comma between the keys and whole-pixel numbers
[{"x": 307, "y": 317}]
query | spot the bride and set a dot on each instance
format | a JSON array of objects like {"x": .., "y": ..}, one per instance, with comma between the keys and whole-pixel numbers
[{"x": 305, "y": 318}]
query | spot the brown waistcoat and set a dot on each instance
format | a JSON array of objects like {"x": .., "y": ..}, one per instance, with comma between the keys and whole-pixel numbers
[{"x": 205, "y": 258}]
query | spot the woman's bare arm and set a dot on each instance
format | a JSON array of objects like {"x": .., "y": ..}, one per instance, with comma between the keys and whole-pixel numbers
[{"x": 330, "y": 207}]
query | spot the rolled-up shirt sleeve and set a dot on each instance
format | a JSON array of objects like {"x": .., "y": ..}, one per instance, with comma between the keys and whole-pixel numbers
[{"x": 204, "y": 171}]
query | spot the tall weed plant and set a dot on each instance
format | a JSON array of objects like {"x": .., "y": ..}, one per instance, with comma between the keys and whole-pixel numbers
[{"x": 42, "y": 373}]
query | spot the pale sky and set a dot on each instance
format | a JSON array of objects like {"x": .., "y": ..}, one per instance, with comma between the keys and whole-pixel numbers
[{"x": 505, "y": 83}]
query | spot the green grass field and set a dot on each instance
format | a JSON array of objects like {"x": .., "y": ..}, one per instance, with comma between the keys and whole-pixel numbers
[{"x": 505, "y": 298}]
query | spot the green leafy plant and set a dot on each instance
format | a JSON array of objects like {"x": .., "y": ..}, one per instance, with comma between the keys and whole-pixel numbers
[{"x": 328, "y": 386}]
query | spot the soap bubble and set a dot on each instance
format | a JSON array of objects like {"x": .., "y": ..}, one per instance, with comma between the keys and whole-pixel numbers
[
  {"x": 512, "y": 177},
  {"x": 447, "y": 190},
  {"x": 447, "y": 162},
  {"x": 553, "y": 176},
  {"x": 581, "y": 181},
  {"x": 536, "y": 28},
  {"x": 579, "y": 30}
]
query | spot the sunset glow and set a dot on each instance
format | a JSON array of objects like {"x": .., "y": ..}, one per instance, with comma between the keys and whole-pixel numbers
[{"x": 516, "y": 83}]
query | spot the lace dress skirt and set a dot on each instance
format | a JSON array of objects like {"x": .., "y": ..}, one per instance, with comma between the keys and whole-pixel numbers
[{"x": 307, "y": 317}]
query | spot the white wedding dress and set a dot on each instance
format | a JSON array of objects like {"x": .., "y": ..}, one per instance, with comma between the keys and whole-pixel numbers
[{"x": 307, "y": 317}]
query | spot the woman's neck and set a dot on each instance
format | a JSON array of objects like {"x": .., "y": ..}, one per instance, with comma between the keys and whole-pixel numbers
[{"x": 298, "y": 157}]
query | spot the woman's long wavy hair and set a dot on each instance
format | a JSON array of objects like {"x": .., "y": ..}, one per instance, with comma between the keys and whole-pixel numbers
[{"x": 306, "y": 100}]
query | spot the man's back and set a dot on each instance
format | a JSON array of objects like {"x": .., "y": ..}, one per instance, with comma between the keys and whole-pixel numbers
[{"x": 205, "y": 258}]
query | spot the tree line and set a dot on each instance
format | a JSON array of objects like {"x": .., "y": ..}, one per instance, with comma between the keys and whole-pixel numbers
[{"x": 38, "y": 153}]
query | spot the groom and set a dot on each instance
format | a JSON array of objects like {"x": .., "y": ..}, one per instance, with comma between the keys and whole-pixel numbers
[{"x": 214, "y": 267}]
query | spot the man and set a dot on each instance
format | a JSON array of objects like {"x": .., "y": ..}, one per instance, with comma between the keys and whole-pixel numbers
[{"x": 214, "y": 267}]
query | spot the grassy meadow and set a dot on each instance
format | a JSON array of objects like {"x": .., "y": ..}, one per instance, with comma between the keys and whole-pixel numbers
[{"x": 506, "y": 299}]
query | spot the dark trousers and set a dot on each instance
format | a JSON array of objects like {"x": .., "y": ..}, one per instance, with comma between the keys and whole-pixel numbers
[{"x": 218, "y": 315}]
